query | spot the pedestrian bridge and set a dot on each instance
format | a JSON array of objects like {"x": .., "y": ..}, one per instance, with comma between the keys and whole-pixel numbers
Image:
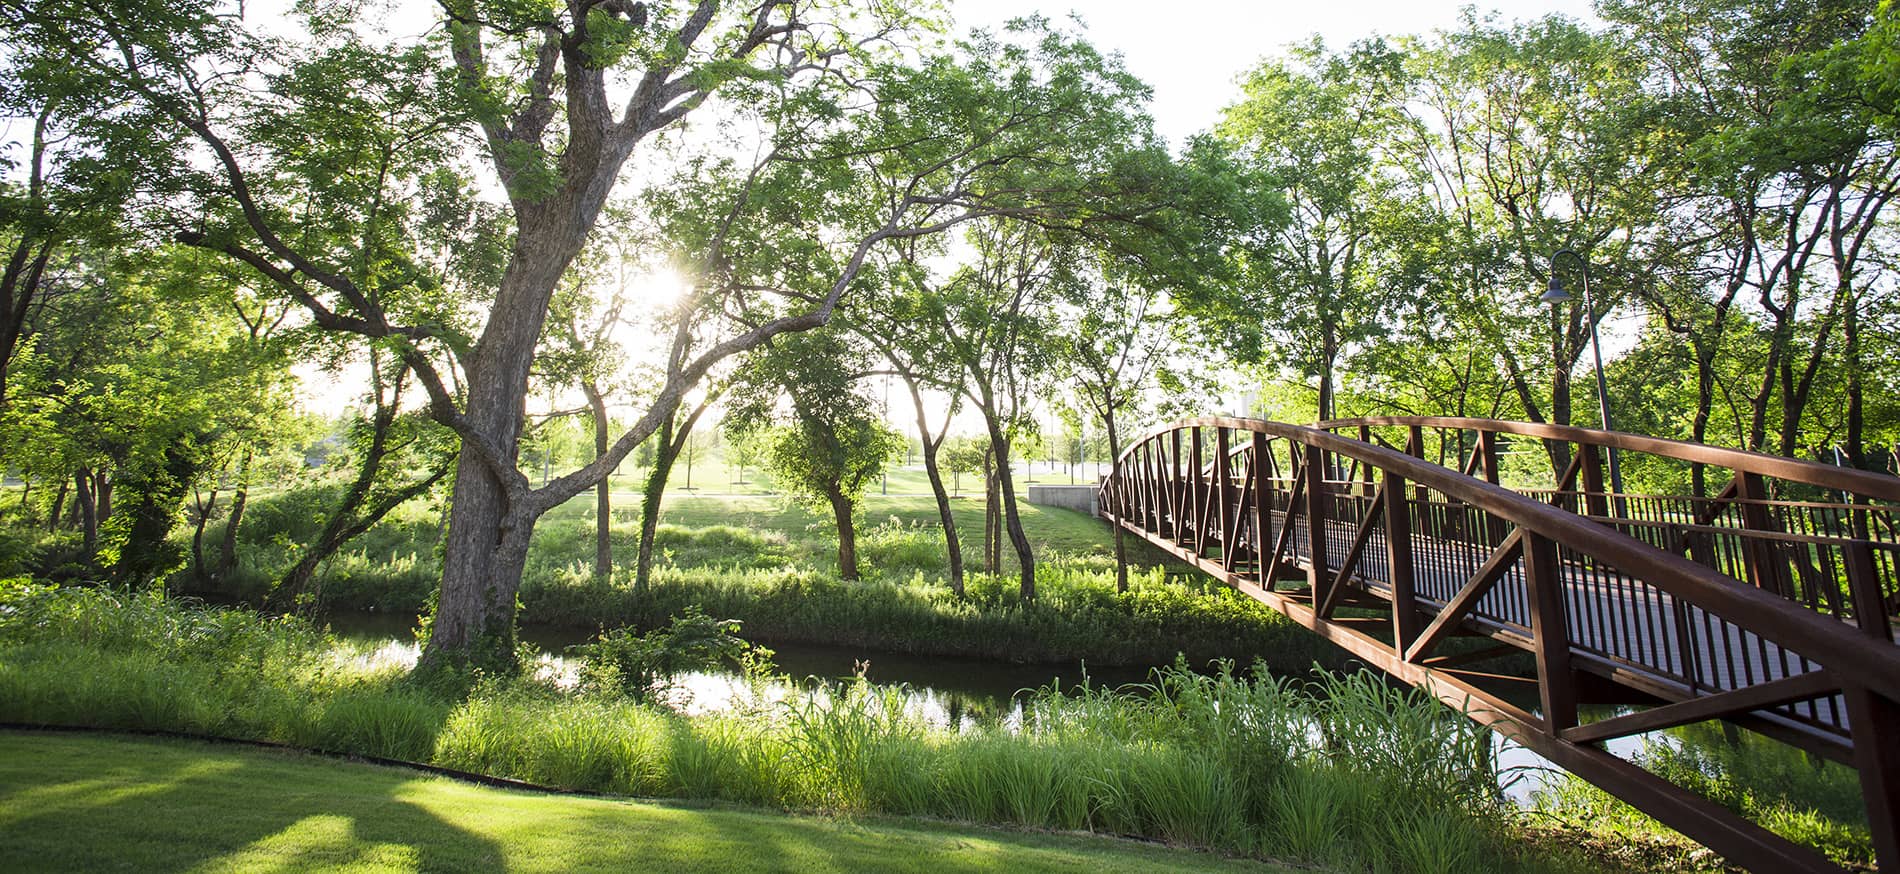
[{"x": 1770, "y": 603}]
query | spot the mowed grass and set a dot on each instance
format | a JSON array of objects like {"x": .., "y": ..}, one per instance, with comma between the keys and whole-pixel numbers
[
  {"x": 103, "y": 803},
  {"x": 1052, "y": 531}
]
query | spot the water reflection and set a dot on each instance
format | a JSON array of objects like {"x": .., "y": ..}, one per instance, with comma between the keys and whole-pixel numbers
[{"x": 962, "y": 694}]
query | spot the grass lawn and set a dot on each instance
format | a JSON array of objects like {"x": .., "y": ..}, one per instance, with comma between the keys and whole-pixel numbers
[
  {"x": 101, "y": 803},
  {"x": 1050, "y": 529}
]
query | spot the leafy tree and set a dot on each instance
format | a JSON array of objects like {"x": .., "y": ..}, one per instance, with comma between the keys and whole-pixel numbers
[
  {"x": 1319, "y": 124},
  {"x": 1115, "y": 348},
  {"x": 871, "y": 144},
  {"x": 669, "y": 443},
  {"x": 398, "y": 457},
  {"x": 897, "y": 324},
  {"x": 124, "y": 391},
  {"x": 991, "y": 317},
  {"x": 84, "y": 159},
  {"x": 1784, "y": 168},
  {"x": 830, "y": 442}
]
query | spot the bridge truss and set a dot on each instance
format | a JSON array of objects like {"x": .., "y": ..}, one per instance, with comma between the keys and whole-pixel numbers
[{"x": 1770, "y": 604}]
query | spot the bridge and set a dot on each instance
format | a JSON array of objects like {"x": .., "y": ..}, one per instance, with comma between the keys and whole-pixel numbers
[{"x": 1770, "y": 603}]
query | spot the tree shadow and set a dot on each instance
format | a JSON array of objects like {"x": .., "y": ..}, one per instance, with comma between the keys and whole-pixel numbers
[{"x": 173, "y": 806}]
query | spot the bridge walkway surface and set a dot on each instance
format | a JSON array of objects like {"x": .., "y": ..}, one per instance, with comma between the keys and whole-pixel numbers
[{"x": 1770, "y": 604}]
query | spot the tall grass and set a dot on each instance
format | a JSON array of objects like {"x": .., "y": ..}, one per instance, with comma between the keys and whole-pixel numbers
[
  {"x": 1796, "y": 795},
  {"x": 1347, "y": 773}
]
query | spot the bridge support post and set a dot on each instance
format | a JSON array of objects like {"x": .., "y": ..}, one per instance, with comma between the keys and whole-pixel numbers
[
  {"x": 1764, "y": 567},
  {"x": 1262, "y": 471},
  {"x": 1875, "y": 717},
  {"x": 1314, "y": 469},
  {"x": 1224, "y": 497},
  {"x": 1556, "y": 685},
  {"x": 1196, "y": 527},
  {"x": 1398, "y": 563},
  {"x": 1591, "y": 460},
  {"x": 1488, "y": 450},
  {"x": 1174, "y": 484}
]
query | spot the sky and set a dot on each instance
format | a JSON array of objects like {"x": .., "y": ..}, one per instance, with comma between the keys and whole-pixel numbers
[{"x": 1193, "y": 51}]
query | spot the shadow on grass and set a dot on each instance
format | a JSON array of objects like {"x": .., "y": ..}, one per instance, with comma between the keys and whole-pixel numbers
[
  {"x": 95, "y": 802},
  {"x": 177, "y": 806}
]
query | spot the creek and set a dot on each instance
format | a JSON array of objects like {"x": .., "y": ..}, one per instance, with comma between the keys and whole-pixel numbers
[{"x": 947, "y": 692}]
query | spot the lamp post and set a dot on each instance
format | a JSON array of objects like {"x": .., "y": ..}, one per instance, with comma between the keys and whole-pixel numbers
[{"x": 1556, "y": 294}]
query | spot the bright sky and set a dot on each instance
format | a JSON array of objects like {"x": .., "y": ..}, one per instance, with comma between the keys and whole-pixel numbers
[{"x": 1192, "y": 51}]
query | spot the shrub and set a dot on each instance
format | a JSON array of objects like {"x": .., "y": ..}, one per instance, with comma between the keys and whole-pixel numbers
[{"x": 643, "y": 666}]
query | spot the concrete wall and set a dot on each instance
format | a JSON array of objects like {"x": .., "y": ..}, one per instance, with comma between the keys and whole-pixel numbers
[{"x": 1080, "y": 498}]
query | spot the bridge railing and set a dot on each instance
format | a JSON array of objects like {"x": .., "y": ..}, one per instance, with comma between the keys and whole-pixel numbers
[
  {"x": 1763, "y": 526},
  {"x": 1743, "y": 605}
]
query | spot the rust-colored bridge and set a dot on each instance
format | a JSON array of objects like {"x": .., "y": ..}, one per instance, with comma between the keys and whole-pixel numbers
[{"x": 1770, "y": 604}]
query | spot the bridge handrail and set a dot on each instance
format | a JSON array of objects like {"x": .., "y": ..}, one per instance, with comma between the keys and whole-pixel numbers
[
  {"x": 1820, "y": 638},
  {"x": 1869, "y": 484}
]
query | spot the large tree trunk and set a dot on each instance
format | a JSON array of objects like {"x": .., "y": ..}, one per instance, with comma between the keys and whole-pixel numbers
[
  {"x": 841, "y": 513},
  {"x": 489, "y": 530},
  {"x": 603, "y": 500},
  {"x": 1012, "y": 519}
]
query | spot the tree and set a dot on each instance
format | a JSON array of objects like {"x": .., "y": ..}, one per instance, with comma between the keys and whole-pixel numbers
[
  {"x": 399, "y": 457},
  {"x": 1318, "y": 125},
  {"x": 86, "y": 158},
  {"x": 898, "y": 324},
  {"x": 669, "y": 443},
  {"x": 1528, "y": 139},
  {"x": 829, "y": 442},
  {"x": 1115, "y": 347},
  {"x": 990, "y": 316},
  {"x": 1781, "y": 161},
  {"x": 124, "y": 391},
  {"x": 876, "y": 148}
]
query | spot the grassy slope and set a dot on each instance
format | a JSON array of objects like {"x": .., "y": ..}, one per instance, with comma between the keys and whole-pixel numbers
[{"x": 100, "y": 803}]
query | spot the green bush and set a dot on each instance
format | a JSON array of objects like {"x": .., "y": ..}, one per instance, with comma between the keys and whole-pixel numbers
[{"x": 643, "y": 666}]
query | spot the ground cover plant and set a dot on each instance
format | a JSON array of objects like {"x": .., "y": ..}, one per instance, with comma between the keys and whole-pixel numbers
[{"x": 1356, "y": 776}]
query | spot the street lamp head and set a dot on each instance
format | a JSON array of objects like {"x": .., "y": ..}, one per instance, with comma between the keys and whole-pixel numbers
[{"x": 1556, "y": 292}]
